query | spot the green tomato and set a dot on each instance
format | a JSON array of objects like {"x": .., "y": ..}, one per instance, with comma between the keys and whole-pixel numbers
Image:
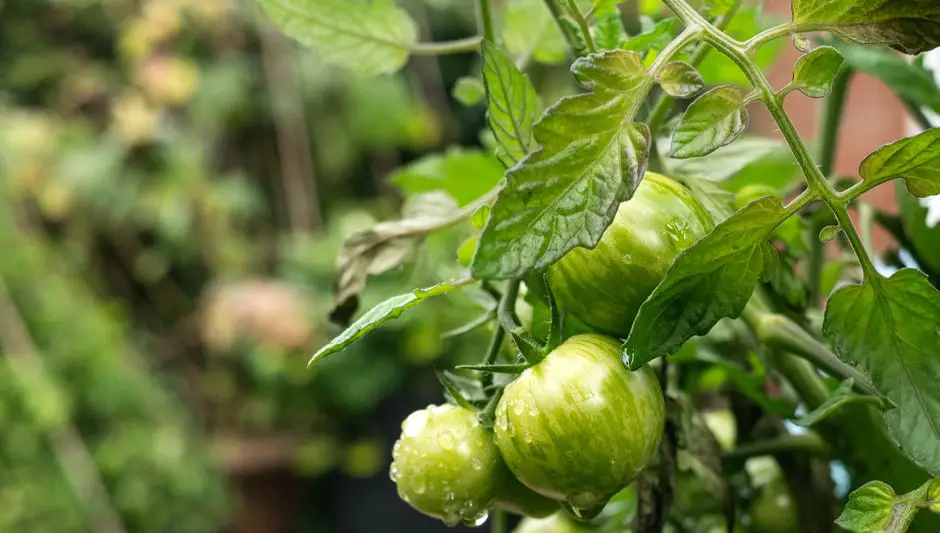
[
  {"x": 446, "y": 465},
  {"x": 605, "y": 286},
  {"x": 774, "y": 511},
  {"x": 578, "y": 426},
  {"x": 556, "y": 523},
  {"x": 924, "y": 238}
]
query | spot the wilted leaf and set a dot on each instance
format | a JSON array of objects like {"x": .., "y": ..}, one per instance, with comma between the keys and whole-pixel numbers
[
  {"x": 890, "y": 328},
  {"x": 912, "y": 26},
  {"x": 916, "y": 159},
  {"x": 710, "y": 280},
  {"x": 383, "y": 312},
  {"x": 592, "y": 158},
  {"x": 713, "y": 120},
  {"x": 368, "y": 38},
  {"x": 814, "y": 72}
]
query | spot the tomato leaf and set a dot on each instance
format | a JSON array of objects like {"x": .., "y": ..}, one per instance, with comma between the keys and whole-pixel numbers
[
  {"x": 843, "y": 395},
  {"x": 464, "y": 174},
  {"x": 605, "y": 7},
  {"x": 727, "y": 161},
  {"x": 890, "y": 328},
  {"x": 592, "y": 158},
  {"x": 714, "y": 120},
  {"x": 911, "y": 26},
  {"x": 368, "y": 38},
  {"x": 680, "y": 79},
  {"x": 711, "y": 195},
  {"x": 814, "y": 72},
  {"x": 916, "y": 159},
  {"x": 710, "y": 280},
  {"x": 656, "y": 38},
  {"x": 383, "y": 247},
  {"x": 530, "y": 31},
  {"x": 870, "y": 508},
  {"x": 383, "y": 312},
  {"x": 468, "y": 90},
  {"x": 512, "y": 105},
  {"x": 907, "y": 79},
  {"x": 608, "y": 31}
]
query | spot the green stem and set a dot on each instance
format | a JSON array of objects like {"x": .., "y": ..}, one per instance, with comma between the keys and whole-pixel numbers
[
  {"x": 583, "y": 24},
  {"x": 665, "y": 103},
  {"x": 807, "y": 443},
  {"x": 485, "y": 16},
  {"x": 469, "y": 44},
  {"x": 499, "y": 522},
  {"x": 504, "y": 310},
  {"x": 776, "y": 32},
  {"x": 781, "y": 332}
]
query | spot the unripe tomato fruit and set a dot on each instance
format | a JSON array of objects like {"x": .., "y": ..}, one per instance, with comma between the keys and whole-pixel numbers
[
  {"x": 923, "y": 237},
  {"x": 446, "y": 465},
  {"x": 518, "y": 499},
  {"x": 578, "y": 426},
  {"x": 605, "y": 286},
  {"x": 774, "y": 511},
  {"x": 556, "y": 523}
]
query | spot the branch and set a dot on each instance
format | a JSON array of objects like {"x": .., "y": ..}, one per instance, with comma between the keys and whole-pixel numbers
[{"x": 468, "y": 44}]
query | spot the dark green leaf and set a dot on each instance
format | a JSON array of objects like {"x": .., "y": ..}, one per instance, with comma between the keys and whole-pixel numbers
[
  {"x": 469, "y": 91},
  {"x": 592, "y": 158},
  {"x": 383, "y": 247},
  {"x": 907, "y": 79},
  {"x": 368, "y": 38},
  {"x": 715, "y": 119},
  {"x": 464, "y": 174},
  {"x": 608, "y": 31},
  {"x": 512, "y": 105},
  {"x": 530, "y": 31},
  {"x": 912, "y": 26},
  {"x": 710, "y": 280},
  {"x": 381, "y": 313},
  {"x": 841, "y": 396},
  {"x": 656, "y": 38},
  {"x": 680, "y": 79},
  {"x": 916, "y": 159},
  {"x": 814, "y": 72},
  {"x": 870, "y": 509},
  {"x": 890, "y": 328}
]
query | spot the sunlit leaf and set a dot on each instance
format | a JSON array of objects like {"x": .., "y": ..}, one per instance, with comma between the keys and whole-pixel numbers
[
  {"x": 654, "y": 39},
  {"x": 369, "y": 38},
  {"x": 814, "y": 72},
  {"x": 465, "y": 174},
  {"x": 916, "y": 159},
  {"x": 714, "y": 120},
  {"x": 512, "y": 105},
  {"x": 870, "y": 509},
  {"x": 592, "y": 158},
  {"x": 890, "y": 328},
  {"x": 530, "y": 31},
  {"x": 608, "y": 31}
]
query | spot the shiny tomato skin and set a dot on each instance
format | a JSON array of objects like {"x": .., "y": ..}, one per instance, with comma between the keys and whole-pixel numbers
[
  {"x": 446, "y": 465},
  {"x": 605, "y": 286},
  {"x": 556, "y": 523},
  {"x": 578, "y": 426}
]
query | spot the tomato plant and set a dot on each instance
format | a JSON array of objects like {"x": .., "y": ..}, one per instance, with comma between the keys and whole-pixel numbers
[{"x": 716, "y": 284}]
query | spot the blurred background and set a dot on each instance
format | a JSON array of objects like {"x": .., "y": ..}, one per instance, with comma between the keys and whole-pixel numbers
[{"x": 176, "y": 180}]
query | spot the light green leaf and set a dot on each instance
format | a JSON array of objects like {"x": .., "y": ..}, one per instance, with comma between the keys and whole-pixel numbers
[
  {"x": 814, "y": 72},
  {"x": 655, "y": 39},
  {"x": 465, "y": 174},
  {"x": 843, "y": 395},
  {"x": 385, "y": 246},
  {"x": 890, "y": 328},
  {"x": 383, "y": 312},
  {"x": 713, "y": 120},
  {"x": 468, "y": 91},
  {"x": 870, "y": 509},
  {"x": 916, "y": 159},
  {"x": 367, "y": 38},
  {"x": 711, "y": 195},
  {"x": 605, "y": 7},
  {"x": 512, "y": 105},
  {"x": 680, "y": 79},
  {"x": 530, "y": 31},
  {"x": 710, "y": 280},
  {"x": 608, "y": 31},
  {"x": 749, "y": 20},
  {"x": 907, "y": 79},
  {"x": 728, "y": 161},
  {"x": 911, "y": 26},
  {"x": 592, "y": 158}
]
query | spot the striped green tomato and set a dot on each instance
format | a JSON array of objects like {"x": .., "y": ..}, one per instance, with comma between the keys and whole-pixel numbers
[
  {"x": 605, "y": 286},
  {"x": 446, "y": 465},
  {"x": 578, "y": 426}
]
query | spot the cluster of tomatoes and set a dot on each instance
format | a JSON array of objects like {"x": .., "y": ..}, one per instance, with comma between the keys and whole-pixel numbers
[{"x": 576, "y": 428}]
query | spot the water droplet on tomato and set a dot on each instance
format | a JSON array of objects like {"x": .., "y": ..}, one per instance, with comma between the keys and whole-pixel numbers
[
  {"x": 446, "y": 441},
  {"x": 478, "y": 520}
]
